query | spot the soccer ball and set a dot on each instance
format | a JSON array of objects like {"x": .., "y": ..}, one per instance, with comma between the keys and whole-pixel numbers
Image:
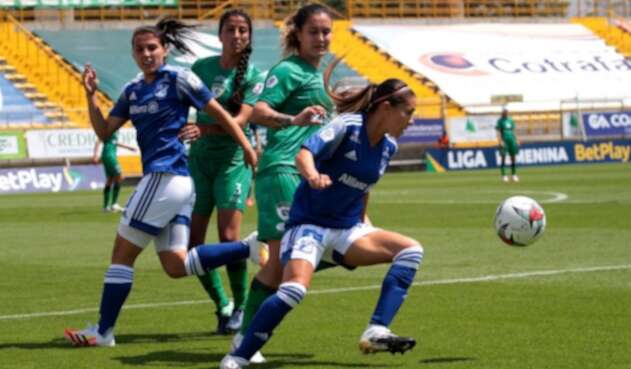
[{"x": 519, "y": 221}]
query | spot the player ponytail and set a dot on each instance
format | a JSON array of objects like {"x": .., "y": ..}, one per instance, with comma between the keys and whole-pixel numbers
[
  {"x": 170, "y": 31},
  {"x": 234, "y": 102},
  {"x": 294, "y": 23},
  {"x": 368, "y": 98}
]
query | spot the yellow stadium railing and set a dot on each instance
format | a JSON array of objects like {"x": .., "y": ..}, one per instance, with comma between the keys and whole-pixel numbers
[
  {"x": 263, "y": 9},
  {"x": 279, "y": 9},
  {"x": 185, "y": 9},
  {"x": 455, "y": 8},
  {"x": 608, "y": 31},
  {"x": 484, "y": 8},
  {"x": 46, "y": 70}
]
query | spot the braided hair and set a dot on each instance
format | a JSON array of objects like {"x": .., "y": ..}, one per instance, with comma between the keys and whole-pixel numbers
[
  {"x": 366, "y": 99},
  {"x": 170, "y": 31},
  {"x": 234, "y": 102}
]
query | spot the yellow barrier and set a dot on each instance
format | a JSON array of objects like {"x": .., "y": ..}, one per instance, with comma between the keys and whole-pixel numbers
[
  {"x": 279, "y": 9},
  {"x": 611, "y": 33},
  {"x": 46, "y": 70},
  {"x": 375, "y": 66}
]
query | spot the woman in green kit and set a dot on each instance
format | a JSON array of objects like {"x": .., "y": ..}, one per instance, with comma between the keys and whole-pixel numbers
[
  {"x": 105, "y": 153},
  {"x": 292, "y": 106},
  {"x": 508, "y": 144},
  {"x": 221, "y": 178}
]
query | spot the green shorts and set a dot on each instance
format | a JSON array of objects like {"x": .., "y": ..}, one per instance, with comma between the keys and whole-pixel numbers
[
  {"x": 510, "y": 147},
  {"x": 274, "y": 194},
  {"x": 220, "y": 184},
  {"x": 111, "y": 166}
]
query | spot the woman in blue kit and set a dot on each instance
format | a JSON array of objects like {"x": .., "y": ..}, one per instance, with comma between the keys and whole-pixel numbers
[
  {"x": 157, "y": 102},
  {"x": 339, "y": 165}
]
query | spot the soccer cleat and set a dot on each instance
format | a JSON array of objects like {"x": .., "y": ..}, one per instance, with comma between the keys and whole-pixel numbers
[
  {"x": 257, "y": 358},
  {"x": 107, "y": 209},
  {"x": 89, "y": 337},
  {"x": 232, "y": 362},
  {"x": 377, "y": 338},
  {"x": 505, "y": 178},
  {"x": 515, "y": 178},
  {"x": 259, "y": 252},
  {"x": 115, "y": 208},
  {"x": 222, "y": 322},
  {"x": 236, "y": 319},
  {"x": 223, "y": 317}
]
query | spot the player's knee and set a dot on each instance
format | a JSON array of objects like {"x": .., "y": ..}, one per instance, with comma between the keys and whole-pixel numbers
[
  {"x": 410, "y": 257},
  {"x": 271, "y": 274},
  {"x": 291, "y": 293},
  {"x": 174, "y": 271}
]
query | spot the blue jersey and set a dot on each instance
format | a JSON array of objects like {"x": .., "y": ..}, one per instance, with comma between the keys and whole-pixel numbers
[
  {"x": 158, "y": 111},
  {"x": 342, "y": 151}
]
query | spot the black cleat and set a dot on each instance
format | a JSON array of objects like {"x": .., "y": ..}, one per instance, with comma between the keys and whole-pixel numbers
[
  {"x": 380, "y": 339},
  {"x": 222, "y": 325},
  {"x": 396, "y": 344}
]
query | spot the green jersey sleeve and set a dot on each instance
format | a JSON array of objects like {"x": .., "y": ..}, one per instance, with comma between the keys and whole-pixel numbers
[
  {"x": 281, "y": 81},
  {"x": 291, "y": 86}
]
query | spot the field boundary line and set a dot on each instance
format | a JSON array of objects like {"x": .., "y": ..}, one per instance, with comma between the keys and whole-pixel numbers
[{"x": 486, "y": 278}]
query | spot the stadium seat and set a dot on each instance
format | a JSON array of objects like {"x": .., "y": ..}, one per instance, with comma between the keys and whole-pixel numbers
[{"x": 17, "y": 110}]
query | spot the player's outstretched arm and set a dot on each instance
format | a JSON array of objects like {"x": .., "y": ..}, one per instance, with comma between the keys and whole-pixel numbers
[
  {"x": 102, "y": 127},
  {"x": 214, "y": 109},
  {"x": 265, "y": 115},
  {"x": 96, "y": 155}
]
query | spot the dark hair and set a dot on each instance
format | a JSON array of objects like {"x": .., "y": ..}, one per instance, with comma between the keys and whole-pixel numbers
[
  {"x": 170, "y": 31},
  {"x": 234, "y": 102},
  {"x": 368, "y": 98},
  {"x": 295, "y": 22}
]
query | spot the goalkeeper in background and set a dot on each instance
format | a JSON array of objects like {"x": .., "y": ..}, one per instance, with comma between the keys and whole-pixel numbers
[
  {"x": 508, "y": 144},
  {"x": 105, "y": 152}
]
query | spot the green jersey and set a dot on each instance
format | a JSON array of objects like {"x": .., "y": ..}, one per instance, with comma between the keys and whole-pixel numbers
[
  {"x": 221, "y": 82},
  {"x": 109, "y": 146},
  {"x": 291, "y": 85},
  {"x": 506, "y": 126}
]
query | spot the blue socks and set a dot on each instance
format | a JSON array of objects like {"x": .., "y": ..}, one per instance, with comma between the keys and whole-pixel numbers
[
  {"x": 269, "y": 316},
  {"x": 396, "y": 284},
  {"x": 212, "y": 256},
  {"x": 393, "y": 292},
  {"x": 116, "y": 287}
]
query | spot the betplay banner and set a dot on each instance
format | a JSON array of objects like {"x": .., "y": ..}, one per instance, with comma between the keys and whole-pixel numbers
[
  {"x": 51, "y": 179},
  {"x": 549, "y": 153}
]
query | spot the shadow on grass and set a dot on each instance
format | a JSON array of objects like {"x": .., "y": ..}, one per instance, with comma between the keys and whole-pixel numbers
[
  {"x": 61, "y": 343},
  {"x": 446, "y": 360},
  {"x": 54, "y": 343},
  {"x": 275, "y": 360},
  {"x": 169, "y": 337}
]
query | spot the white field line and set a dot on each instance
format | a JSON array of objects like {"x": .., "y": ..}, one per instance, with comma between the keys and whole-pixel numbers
[
  {"x": 486, "y": 278},
  {"x": 392, "y": 197}
]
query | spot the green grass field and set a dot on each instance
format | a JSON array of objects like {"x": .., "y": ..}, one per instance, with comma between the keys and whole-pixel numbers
[{"x": 564, "y": 302}]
